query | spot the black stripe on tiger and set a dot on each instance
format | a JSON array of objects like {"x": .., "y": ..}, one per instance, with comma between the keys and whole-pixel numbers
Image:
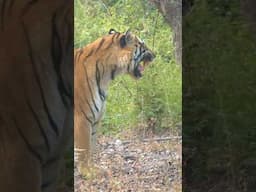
[
  {"x": 122, "y": 41},
  {"x": 56, "y": 52},
  {"x": 90, "y": 89},
  {"x": 86, "y": 117},
  {"x": 45, "y": 185},
  {"x": 103, "y": 70},
  {"x": 39, "y": 125},
  {"x": 78, "y": 54},
  {"x": 27, "y": 7},
  {"x": 113, "y": 72},
  {"x": 103, "y": 73},
  {"x": 117, "y": 35},
  {"x": 30, "y": 148},
  {"x": 92, "y": 112},
  {"x": 128, "y": 66},
  {"x": 100, "y": 45},
  {"x": 30, "y": 53},
  {"x": 97, "y": 75},
  {"x": 94, "y": 132},
  {"x": 51, "y": 179},
  {"x": 10, "y": 7},
  {"x": 66, "y": 28},
  {"x": 90, "y": 53},
  {"x": 111, "y": 42}
]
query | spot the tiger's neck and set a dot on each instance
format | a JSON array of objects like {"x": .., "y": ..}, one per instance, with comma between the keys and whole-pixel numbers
[
  {"x": 96, "y": 81},
  {"x": 104, "y": 76},
  {"x": 100, "y": 79}
]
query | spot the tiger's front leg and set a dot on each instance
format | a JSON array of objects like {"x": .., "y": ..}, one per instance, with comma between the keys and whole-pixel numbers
[{"x": 82, "y": 139}]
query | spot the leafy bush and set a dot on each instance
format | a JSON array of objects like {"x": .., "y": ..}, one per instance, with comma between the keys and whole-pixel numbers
[{"x": 219, "y": 63}]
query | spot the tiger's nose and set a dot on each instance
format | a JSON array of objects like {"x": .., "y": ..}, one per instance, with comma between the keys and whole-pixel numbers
[
  {"x": 153, "y": 55},
  {"x": 150, "y": 56}
]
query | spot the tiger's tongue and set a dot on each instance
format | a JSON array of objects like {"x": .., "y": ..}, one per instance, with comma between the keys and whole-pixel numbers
[{"x": 141, "y": 68}]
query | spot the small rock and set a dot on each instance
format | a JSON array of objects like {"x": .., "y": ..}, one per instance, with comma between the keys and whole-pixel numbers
[{"x": 118, "y": 142}]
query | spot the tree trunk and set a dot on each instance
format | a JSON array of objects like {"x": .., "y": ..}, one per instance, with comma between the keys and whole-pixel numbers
[
  {"x": 172, "y": 12},
  {"x": 248, "y": 9}
]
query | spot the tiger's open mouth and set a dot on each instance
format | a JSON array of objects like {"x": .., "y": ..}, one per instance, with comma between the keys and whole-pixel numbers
[{"x": 144, "y": 62}]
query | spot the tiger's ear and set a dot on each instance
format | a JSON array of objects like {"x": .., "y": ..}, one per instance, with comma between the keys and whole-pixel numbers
[
  {"x": 112, "y": 31},
  {"x": 126, "y": 38}
]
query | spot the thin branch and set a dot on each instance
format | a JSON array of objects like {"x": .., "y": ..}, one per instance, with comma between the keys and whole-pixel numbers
[
  {"x": 162, "y": 139},
  {"x": 106, "y": 7},
  {"x": 154, "y": 139},
  {"x": 154, "y": 33}
]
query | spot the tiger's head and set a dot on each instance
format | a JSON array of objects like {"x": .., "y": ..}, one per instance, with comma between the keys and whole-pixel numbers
[{"x": 132, "y": 53}]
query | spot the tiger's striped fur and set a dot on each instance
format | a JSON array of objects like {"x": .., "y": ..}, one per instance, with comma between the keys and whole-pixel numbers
[
  {"x": 36, "y": 97},
  {"x": 96, "y": 65}
]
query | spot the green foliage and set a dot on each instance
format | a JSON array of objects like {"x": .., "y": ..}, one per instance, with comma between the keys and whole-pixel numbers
[
  {"x": 219, "y": 93},
  {"x": 158, "y": 93}
]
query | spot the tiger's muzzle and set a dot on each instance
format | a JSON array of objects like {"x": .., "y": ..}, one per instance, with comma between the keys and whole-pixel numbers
[{"x": 147, "y": 58}]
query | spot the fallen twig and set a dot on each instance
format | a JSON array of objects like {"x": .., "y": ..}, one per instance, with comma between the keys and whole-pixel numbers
[
  {"x": 153, "y": 139},
  {"x": 161, "y": 139}
]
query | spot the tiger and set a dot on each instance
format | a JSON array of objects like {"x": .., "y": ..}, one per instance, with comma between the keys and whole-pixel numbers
[
  {"x": 36, "y": 93},
  {"x": 96, "y": 66}
]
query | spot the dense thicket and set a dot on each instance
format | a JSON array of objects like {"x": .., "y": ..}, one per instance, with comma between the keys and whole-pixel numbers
[{"x": 219, "y": 124}]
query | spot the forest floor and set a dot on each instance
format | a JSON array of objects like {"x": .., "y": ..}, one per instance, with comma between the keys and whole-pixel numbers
[{"x": 132, "y": 164}]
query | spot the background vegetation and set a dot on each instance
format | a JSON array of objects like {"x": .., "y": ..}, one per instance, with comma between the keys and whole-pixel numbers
[
  {"x": 157, "y": 96},
  {"x": 219, "y": 98}
]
